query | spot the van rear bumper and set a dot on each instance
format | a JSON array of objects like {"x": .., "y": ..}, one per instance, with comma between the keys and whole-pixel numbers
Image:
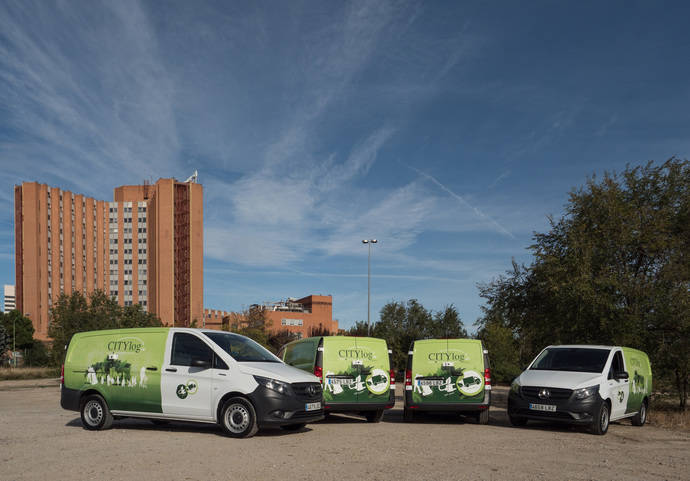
[
  {"x": 452, "y": 406},
  {"x": 69, "y": 398}
]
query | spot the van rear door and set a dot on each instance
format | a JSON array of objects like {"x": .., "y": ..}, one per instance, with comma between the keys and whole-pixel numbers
[
  {"x": 447, "y": 371},
  {"x": 340, "y": 370},
  {"x": 374, "y": 370}
]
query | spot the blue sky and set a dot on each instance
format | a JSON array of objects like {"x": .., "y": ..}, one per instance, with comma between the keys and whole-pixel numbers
[{"x": 447, "y": 130}]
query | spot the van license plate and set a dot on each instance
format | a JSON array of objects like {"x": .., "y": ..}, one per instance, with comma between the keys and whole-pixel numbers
[
  {"x": 543, "y": 407},
  {"x": 312, "y": 406}
]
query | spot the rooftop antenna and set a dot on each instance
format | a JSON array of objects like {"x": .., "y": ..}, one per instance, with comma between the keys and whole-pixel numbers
[{"x": 193, "y": 178}]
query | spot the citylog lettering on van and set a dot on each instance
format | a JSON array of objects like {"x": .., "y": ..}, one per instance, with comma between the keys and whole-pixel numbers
[{"x": 171, "y": 374}]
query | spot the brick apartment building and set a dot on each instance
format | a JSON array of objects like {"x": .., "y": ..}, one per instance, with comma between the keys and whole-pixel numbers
[{"x": 145, "y": 247}]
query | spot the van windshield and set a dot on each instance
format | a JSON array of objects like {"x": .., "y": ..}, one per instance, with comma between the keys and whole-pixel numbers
[
  {"x": 571, "y": 359},
  {"x": 241, "y": 348}
]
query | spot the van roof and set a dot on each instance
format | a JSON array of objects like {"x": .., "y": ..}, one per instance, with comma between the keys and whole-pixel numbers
[{"x": 582, "y": 346}]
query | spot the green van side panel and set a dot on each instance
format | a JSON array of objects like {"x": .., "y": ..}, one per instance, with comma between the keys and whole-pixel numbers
[
  {"x": 114, "y": 363},
  {"x": 640, "y": 376},
  {"x": 460, "y": 381},
  {"x": 348, "y": 381}
]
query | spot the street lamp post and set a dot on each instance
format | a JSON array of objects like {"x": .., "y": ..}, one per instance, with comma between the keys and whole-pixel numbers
[{"x": 369, "y": 242}]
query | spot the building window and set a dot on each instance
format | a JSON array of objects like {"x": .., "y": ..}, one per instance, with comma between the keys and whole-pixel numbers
[{"x": 292, "y": 322}]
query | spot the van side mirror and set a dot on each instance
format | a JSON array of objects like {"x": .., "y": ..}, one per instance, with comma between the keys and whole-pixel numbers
[
  {"x": 621, "y": 375},
  {"x": 201, "y": 363}
]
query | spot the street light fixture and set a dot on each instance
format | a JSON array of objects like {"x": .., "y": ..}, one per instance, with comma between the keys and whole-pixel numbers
[{"x": 369, "y": 242}]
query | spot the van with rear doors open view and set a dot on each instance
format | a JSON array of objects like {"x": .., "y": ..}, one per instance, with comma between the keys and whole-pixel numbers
[
  {"x": 587, "y": 385},
  {"x": 178, "y": 374}
]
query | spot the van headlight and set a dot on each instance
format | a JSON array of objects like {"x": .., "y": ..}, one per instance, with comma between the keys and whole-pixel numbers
[
  {"x": 515, "y": 386},
  {"x": 586, "y": 392},
  {"x": 275, "y": 385}
]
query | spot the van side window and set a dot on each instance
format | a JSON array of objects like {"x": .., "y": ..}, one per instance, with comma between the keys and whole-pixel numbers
[
  {"x": 616, "y": 364},
  {"x": 218, "y": 363},
  {"x": 187, "y": 347}
]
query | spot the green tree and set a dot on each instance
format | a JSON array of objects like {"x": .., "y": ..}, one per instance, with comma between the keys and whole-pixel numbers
[
  {"x": 5, "y": 342},
  {"x": 14, "y": 321},
  {"x": 253, "y": 324},
  {"x": 402, "y": 323},
  {"x": 359, "y": 329},
  {"x": 615, "y": 269},
  {"x": 278, "y": 339}
]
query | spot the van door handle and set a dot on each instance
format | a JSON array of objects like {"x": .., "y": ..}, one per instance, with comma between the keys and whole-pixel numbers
[
  {"x": 152, "y": 368},
  {"x": 171, "y": 369}
]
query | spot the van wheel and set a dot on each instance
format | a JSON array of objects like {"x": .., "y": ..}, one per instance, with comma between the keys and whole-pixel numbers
[
  {"x": 483, "y": 416},
  {"x": 408, "y": 415},
  {"x": 516, "y": 421},
  {"x": 292, "y": 427},
  {"x": 374, "y": 416},
  {"x": 641, "y": 417},
  {"x": 238, "y": 418},
  {"x": 600, "y": 424},
  {"x": 95, "y": 414}
]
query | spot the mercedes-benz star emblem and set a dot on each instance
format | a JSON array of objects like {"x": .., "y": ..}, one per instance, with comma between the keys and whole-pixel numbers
[
  {"x": 544, "y": 393},
  {"x": 311, "y": 390}
]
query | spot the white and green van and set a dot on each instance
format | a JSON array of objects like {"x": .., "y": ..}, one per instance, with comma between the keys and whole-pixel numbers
[
  {"x": 356, "y": 372},
  {"x": 448, "y": 375},
  {"x": 588, "y": 385},
  {"x": 167, "y": 374}
]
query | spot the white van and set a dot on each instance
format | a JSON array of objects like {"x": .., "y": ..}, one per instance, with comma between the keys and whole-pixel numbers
[
  {"x": 590, "y": 385},
  {"x": 166, "y": 374}
]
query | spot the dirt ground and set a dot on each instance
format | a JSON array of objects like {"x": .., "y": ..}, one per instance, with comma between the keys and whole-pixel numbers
[{"x": 40, "y": 441}]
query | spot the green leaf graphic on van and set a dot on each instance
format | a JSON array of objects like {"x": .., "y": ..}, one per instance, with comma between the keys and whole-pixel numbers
[{"x": 181, "y": 391}]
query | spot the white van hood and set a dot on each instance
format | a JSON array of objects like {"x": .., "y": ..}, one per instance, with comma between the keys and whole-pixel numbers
[
  {"x": 560, "y": 379},
  {"x": 278, "y": 371}
]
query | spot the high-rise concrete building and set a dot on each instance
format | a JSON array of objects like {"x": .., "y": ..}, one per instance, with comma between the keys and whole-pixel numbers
[
  {"x": 145, "y": 247},
  {"x": 9, "y": 301}
]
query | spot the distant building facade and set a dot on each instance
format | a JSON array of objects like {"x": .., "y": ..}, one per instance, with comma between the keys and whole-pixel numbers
[
  {"x": 9, "y": 299},
  {"x": 301, "y": 316},
  {"x": 145, "y": 247}
]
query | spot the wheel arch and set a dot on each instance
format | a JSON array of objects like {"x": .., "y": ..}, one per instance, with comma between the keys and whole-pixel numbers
[
  {"x": 229, "y": 395},
  {"x": 88, "y": 393}
]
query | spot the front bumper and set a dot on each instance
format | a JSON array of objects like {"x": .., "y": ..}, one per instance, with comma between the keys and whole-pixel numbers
[
  {"x": 570, "y": 410},
  {"x": 275, "y": 409}
]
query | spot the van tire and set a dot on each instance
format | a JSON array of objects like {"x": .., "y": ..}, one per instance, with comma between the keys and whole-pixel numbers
[
  {"x": 641, "y": 417},
  {"x": 292, "y": 427},
  {"x": 602, "y": 418},
  {"x": 238, "y": 418},
  {"x": 95, "y": 414},
  {"x": 483, "y": 416},
  {"x": 517, "y": 421},
  {"x": 374, "y": 416},
  {"x": 408, "y": 415}
]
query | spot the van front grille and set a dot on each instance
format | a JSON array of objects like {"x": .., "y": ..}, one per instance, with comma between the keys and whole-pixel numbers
[
  {"x": 302, "y": 390},
  {"x": 554, "y": 393}
]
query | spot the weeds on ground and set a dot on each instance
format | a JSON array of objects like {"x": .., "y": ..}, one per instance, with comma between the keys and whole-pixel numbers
[
  {"x": 12, "y": 374},
  {"x": 664, "y": 413}
]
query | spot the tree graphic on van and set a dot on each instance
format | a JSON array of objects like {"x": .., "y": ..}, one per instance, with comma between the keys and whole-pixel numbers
[{"x": 113, "y": 372}]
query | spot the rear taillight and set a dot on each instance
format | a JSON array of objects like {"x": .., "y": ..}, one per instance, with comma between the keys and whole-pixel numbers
[
  {"x": 62, "y": 375},
  {"x": 408, "y": 378},
  {"x": 318, "y": 372},
  {"x": 487, "y": 377},
  {"x": 392, "y": 375}
]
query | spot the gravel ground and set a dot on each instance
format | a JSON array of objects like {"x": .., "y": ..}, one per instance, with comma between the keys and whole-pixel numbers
[{"x": 39, "y": 441}]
